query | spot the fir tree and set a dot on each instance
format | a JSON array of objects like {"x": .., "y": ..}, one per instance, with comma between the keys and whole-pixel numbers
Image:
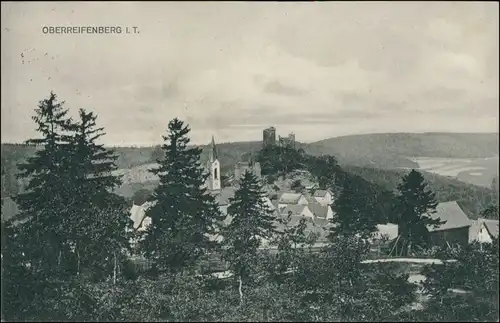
[
  {"x": 252, "y": 221},
  {"x": 47, "y": 200},
  {"x": 184, "y": 214},
  {"x": 355, "y": 211},
  {"x": 413, "y": 208},
  {"x": 100, "y": 217}
]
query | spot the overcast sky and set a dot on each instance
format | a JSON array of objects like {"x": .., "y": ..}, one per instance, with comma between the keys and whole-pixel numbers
[{"x": 319, "y": 69}]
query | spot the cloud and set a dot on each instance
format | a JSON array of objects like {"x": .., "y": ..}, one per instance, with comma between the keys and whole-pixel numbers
[
  {"x": 228, "y": 67},
  {"x": 276, "y": 87}
]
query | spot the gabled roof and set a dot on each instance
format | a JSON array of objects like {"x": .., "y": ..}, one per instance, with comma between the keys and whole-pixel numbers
[
  {"x": 295, "y": 220},
  {"x": 294, "y": 208},
  {"x": 318, "y": 210},
  {"x": 311, "y": 227},
  {"x": 269, "y": 203},
  {"x": 311, "y": 200},
  {"x": 321, "y": 222},
  {"x": 453, "y": 215},
  {"x": 290, "y": 198},
  {"x": 491, "y": 226},
  {"x": 321, "y": 193}
]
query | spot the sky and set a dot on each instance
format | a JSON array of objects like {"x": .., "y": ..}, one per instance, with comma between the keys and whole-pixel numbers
[{"x": 231, "y": 69}]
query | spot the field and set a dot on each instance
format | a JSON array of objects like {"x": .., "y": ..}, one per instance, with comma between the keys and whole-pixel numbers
[{"x": 477, "y": 171}]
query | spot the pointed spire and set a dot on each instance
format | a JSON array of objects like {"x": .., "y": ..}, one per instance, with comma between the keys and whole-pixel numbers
[{"x": 213, "y": 151}]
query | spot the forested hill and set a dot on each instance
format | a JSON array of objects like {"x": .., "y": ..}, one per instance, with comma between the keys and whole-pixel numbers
[
  {"x": 364, "y": 155},
  {"x": 387, "y": 150},
  {"x": 473, "y": 199},
  {"x": 449, "y": 145},
  {"x": 390, "y": 150}
]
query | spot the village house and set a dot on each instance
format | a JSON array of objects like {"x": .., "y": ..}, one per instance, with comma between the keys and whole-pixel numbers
[
  {"x": 296, "y": 210},
  {"x": 324, "y": 197},
  {"x": 290, "y": 198},
  {"x": 483, "y": 231},
  {"x": 382, "y": 237},
  {"x": 388, "y": 231},
  {"x": 321, "y": 211},
  {"x": 454, "y": 230},
  {"x": 311, "y": 227},
  {"x": 138, "y": 216}
]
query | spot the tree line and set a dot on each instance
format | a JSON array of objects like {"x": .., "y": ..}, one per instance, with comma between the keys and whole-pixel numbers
[{"x": 67, "y": 256}]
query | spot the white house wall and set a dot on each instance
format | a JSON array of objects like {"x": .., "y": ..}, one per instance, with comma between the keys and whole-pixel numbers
[
  {"x": 326, "y": 200},
  {"x": 329, "y": 213},
  {"x": 307, "y": 213},
  {"x": 302, "y": 200},
  {"x": 483, "y": 235}
]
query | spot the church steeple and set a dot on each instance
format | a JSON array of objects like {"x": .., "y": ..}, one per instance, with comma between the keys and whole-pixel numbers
[
  {"x": 213, "y": 165},
  {"x": 213, "y": 151}
]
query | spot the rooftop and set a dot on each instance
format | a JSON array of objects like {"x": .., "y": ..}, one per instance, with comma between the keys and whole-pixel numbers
[
  {"x": 453, "y": 215},
  {"x": 318, "y": 210},
  {"x": 490, "y": 225},
  {"x": 290, "y": 198},
  {"x": 320, "y": 193},
  {"x": 294, "y": 208}
]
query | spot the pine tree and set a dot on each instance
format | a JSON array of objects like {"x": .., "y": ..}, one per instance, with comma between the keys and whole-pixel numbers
[
  {"x": 100, "y": 218},
  {"x": 47, "y": 201},
  {"x": 252, "y": 221},
  {"x": 413, "y": 207},
  {"x": 355, "y": 211},
  {"x": 184, "y": 214}
]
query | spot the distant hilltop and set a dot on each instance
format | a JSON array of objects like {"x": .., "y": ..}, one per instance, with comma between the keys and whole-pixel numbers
[
  {"x": 432, "y": 144},
  {"x": 382, "y": 150}
]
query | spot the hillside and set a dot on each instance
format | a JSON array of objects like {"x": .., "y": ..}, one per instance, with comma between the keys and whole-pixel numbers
[
  {"x": 388, "y": 151},
  {"x": 396, "y": 150},
  {"x": 137, "y": 180},
  {"x": 473, "y": 199},
  {"x": 449, "y": 145},
  {"x": 469, "y": 157},
  {"x": 370, "y": 152}
]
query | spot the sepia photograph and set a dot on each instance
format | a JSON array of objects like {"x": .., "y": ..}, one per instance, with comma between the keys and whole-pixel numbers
[{"x": 246, "y": 161}]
